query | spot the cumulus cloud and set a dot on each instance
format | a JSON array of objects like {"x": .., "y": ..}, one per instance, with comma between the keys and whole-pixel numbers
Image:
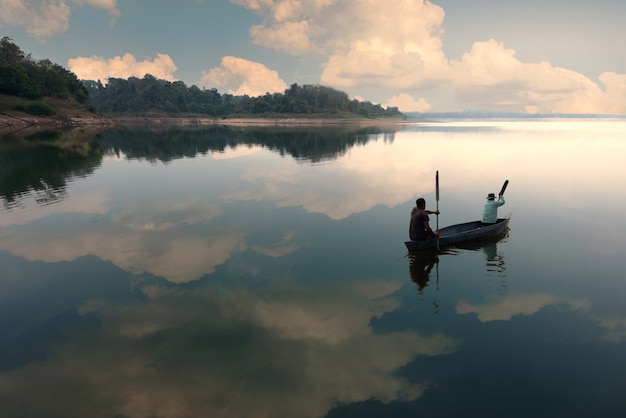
[
  {"x": 43, "y": 19},
  {"x": 98, "y": 68},
  {"x": 397, "y": 47},
  {"x": 239, "y": 77},
  {"x": 40, "y": 19},
  {"x": 406, "y": 103},
  {"x": 490, "y": 74}
]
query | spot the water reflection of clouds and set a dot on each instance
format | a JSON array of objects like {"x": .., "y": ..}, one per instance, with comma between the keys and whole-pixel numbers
[
  {"x": 28, "y": 210},
  {"x": 145, "y": 237},
  {"x": 281, "y": 351},
  {"x": 356, "y": 182},
  {"x": 389, "y": 174},
  {"x": 504, "y": 308},
  {"x": 160, "y": 215},
  {"x": 236, "y": 152},
  {"x": 281, "y": 248},
  {"x": 615, "y": 328}
]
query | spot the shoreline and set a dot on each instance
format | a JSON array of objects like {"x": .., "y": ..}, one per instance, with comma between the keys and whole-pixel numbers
[
  {"x": 18, "y": 123},
  {"x": 13, "y": 123}
]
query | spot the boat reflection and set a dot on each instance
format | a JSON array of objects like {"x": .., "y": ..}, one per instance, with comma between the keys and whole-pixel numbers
[
  {"x": 422, "y": 263},
  {"x": 494, "y": 260}
]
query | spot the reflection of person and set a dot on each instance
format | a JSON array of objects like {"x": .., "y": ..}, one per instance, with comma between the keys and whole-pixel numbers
[
  {"x": 420, "y": 267},
  {"x": 495, "y": 261},
  {"x": 419, "y": 227},
  {"x": 490, "y": 213}
]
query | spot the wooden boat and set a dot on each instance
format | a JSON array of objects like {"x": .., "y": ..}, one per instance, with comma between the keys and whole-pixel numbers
[{"x": 462, "y": 233}]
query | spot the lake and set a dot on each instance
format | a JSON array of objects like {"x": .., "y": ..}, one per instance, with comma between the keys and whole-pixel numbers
[{"x": 262, "y": 272}]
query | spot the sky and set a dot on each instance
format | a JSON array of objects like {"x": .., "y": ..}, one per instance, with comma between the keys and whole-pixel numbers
[{"x": 531, "y": 56}]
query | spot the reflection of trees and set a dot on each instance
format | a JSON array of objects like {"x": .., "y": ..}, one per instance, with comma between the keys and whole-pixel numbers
[
  {"x": 302, "y": 143},
  {"x": 41, "y": 165}
]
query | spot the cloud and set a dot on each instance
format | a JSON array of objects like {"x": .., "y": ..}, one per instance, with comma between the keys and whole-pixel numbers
[
  {"x": 507, "y": 307},
  {"x": 43, "y": 19},
  {"x": 490, "y": 75},
  {"x": 367, "y": 43},
  {"x": 98, "y": 68},
  {"x": 406, "y": 103},
  {"x": 239, "y": 76},
  {"x": 40, "y": 19},
  {"x": 379, "y": 47},
  {"x": 109, "y": 5}
]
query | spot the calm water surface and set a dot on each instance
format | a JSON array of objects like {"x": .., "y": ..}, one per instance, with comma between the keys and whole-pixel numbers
[{"x": 262, "y": 273}]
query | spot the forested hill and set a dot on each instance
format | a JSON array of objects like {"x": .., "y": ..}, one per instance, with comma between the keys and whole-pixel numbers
[
  {"x": 31, "y": 81},
  {"x": 39, "y": 94},
  {"x": 22, "y": 76},
  {"x": 149, "y": 95}
]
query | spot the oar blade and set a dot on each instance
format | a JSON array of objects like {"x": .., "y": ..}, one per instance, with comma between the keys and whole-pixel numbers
[{"x": 506, "y": 183}]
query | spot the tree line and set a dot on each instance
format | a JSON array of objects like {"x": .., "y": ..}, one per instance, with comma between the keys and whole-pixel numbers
[
  {"x": 22, "y": 76},
  {"x": 152, "y": 95}
]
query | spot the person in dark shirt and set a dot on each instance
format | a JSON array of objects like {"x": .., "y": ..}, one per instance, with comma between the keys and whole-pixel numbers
[{"x": 419, "y": 227}]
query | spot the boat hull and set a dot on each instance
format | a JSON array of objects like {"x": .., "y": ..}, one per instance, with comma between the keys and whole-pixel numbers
[{"x": 462, "y": 233}]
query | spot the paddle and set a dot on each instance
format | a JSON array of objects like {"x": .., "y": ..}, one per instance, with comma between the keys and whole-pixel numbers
[
  {"x": 437, "y": 200},
  {"x": 506, "y": 183}
]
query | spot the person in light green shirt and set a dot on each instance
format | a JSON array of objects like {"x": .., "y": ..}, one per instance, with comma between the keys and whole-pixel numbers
[{"x": 490, "y": 213}]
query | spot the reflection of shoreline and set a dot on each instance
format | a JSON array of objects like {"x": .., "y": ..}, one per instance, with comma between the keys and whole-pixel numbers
[{"x": 272, "y": 121}]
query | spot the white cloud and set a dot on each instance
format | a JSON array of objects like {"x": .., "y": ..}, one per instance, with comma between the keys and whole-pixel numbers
[
  {"x": 239, "y": 76},
  {"x": 98, "y": 68},
  {"x": 109, "y": 5},
  {"x": 296, "y": 32},
  {"x": 382, "y": 47},
  {"x": 43, "y": 19},
  {"x": 491, "y": 75},
  {"x": 406, "y": 103},
  {"x": 40, "y": 19}
]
